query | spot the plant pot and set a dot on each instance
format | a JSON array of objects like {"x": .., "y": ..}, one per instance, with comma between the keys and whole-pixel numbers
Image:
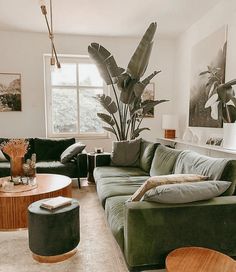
[{"x": 229, "y": 139}]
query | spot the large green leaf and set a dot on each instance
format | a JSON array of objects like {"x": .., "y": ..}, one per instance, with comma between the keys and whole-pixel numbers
[
  {"x": 109, "y": 129},
  {"x": 229, "y": 114},
  {"x": 139, "y": 61},
  {"x": 137, "y": 132},
  {"x": 140, "y": 86},
  {"x": 106, "y": 118},
  {"x": 234, "y": 100},
  {"x": 107, "y": 103},
  {"x": 147, "y": 105},
  {"x": 225, "y": 93},
  {"x": 105, "y": 62}
]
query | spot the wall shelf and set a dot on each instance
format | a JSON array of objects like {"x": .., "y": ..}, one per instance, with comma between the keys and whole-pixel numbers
[{"x": 197, "y": 145}]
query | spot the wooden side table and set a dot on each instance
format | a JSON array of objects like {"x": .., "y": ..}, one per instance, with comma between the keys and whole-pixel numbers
[{"x": 198, "y": 259}]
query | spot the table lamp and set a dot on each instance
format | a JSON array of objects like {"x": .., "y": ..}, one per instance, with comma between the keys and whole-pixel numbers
[{"x": 169, "y": 124}]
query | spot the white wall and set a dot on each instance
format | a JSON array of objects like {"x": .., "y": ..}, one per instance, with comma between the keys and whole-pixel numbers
[
  {"x": 22, "y": 52},
  {"x": 222, "y": 14}
]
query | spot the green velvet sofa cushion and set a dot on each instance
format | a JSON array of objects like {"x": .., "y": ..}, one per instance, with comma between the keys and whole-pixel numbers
[
  {"x": 147, "y": 150},
  {"x": 116, "y": 186},
  {"x": 113, "y": 171},
  {"x": 125, "y": 153},
  {"x": 50, "y": 150},
  {"x": 56, "y": 167},
  {"x": 114, "y": 210},
  {"x": 164, "y": 161}
]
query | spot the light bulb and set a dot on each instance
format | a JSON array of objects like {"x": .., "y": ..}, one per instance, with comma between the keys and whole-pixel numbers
[{"x": 42, "y": 3}]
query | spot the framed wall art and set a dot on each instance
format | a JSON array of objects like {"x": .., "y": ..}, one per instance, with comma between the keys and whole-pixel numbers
[
  {"x": 10, "y": 92},
  {"x": 208, "y": 59},
  {"x": 149, "y": 94}
]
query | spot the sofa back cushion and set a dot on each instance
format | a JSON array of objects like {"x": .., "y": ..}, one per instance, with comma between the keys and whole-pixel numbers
[
  {"x": 126, "y": 153},
  {"x": 163, "y": 161},
  {"x": 50, "y": 150},
  {"x": 215, "y": 168},
  {"x": 147, "y": 150}
]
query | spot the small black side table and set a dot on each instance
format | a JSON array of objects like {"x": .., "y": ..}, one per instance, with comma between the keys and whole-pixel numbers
[{"x": 91, "y": 164}]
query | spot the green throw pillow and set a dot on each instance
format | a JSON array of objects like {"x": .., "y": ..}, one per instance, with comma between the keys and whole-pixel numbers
[
  {"x": 164, "y": 161},
  {"x": 126, "y": 153},
  {"x": 186, "y": 192},
  {"x": 147, "y": 150}
]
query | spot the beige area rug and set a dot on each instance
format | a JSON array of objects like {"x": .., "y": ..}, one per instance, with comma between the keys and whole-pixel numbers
[{"x": 97, "y": 250}]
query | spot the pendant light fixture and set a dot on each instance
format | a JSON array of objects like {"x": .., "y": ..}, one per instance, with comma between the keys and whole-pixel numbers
[{"x": 54, "y": 59}]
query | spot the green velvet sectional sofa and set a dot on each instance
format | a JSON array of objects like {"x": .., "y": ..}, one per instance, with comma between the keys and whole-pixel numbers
[
  {"x": 147, "y": 231},
  {"x": 48, "y": 154}
]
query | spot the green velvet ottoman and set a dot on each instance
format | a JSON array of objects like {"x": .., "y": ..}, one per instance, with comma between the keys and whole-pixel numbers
[{"x": 53, "y": 235}]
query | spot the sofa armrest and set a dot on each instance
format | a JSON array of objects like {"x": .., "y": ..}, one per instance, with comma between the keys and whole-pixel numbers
[
  {"x": 152, "y": 230},
  {"x": 103, "y": 159},
  {"x": 82, "y": 164}
]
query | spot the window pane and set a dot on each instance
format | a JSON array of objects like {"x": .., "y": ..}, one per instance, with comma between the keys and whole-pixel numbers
[
  {"x": 89, "y": 75},
  {"x": 64, "y": 110},
  {"x": 65, "y": 76},
  {"x": 89, "y": 122}
]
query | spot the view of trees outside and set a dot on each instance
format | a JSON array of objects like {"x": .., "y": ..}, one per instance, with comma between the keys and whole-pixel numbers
[
  {"x": 64, "y": 110},
  {"x": 68, "y": 105}
]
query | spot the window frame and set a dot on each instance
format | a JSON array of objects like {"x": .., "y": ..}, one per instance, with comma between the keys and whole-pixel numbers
[{"x": 48, "y": 97}]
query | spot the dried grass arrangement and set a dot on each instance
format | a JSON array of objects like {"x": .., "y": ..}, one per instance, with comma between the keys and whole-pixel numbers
[{"x": 15, "y": 147}]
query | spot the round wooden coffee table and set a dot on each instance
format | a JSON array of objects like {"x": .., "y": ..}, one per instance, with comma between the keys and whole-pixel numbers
[
  {"x": 198, "y": 259},
  {"x": 13, "y": 206}
]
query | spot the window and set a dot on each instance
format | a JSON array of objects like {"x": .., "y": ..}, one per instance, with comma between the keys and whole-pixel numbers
[{"x": 70, "y": 98}]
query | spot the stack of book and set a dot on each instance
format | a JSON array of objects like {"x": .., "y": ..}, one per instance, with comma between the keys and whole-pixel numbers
[{"x": 56, "y": 202}]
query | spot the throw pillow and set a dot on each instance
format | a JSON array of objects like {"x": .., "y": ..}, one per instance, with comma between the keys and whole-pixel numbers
[
  {"x": 164, "y": 161},
  {"x": 71, "y": 152},
  {"x": 147, "y": 150},
  {"x": 186, "y": 192},
  {"x": 126, "y": 153},
  {"x": 153, "y": 182}
]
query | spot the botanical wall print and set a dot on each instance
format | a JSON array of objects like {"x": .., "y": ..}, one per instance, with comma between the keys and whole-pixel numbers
[
  {"x": 208, "y": 60},
  {"x": 10, "y": 92},
  {"x": 149, "y": 95}
]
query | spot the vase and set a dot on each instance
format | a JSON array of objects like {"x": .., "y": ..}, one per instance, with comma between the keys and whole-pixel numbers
[
  {"x": 16, "y": 164},
  {"x": 229, "y": 139}
]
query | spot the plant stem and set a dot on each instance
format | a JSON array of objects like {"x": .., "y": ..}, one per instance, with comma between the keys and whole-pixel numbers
[{"x": 119, "y": 110}]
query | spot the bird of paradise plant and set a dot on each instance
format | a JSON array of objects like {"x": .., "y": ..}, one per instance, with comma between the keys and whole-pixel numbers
[{"x": 127, "y": 110}]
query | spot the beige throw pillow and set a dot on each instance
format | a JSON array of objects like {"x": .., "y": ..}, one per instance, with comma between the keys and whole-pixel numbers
[{"x": 155, "y": 181}]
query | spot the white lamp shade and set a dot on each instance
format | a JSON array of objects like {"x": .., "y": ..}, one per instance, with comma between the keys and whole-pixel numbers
[{"x": 170, "y": 121}]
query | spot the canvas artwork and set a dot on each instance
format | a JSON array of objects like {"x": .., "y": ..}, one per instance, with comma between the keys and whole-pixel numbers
[
  {"x": 10, "y": 92},
  {"x": 149, "y": 94},
  {"x": 208, "y": 54}
]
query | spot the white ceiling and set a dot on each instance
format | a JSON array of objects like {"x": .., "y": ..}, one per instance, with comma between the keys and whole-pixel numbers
[{"x": 105, "y": 17}]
